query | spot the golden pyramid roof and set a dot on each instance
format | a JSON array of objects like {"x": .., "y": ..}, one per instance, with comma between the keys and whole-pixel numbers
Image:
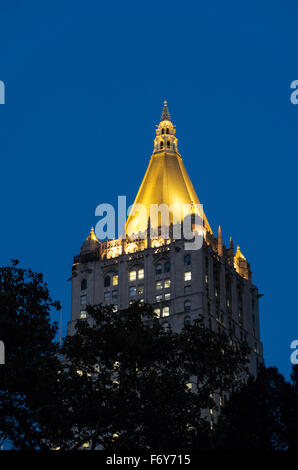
[
  {"x": 166, "y": 180},
  {"x": 238, "y": 254}
]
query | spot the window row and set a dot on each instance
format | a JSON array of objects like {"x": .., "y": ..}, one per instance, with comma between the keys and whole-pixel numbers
[
  {"x": 160, "y": 297},
  {"x": 162, "y": 312},
  {"x": 135, "y": 274},
  {"x": 110, "y": 280},
  {"x": 134, "y": 290},
  {"x": 162, "y": 268},
  {"x": 108, "y": 295},
  {"x": 166, "y": 284}
]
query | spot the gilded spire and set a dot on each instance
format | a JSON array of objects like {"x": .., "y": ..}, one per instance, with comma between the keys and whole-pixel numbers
[
  {"x": 92, "y": 235},
  {"x": 165, "y": 182},
  {"x": 239, "y": 254},
  {"x": 165, "y": 112},
  {"x": 219, "y": 242}
]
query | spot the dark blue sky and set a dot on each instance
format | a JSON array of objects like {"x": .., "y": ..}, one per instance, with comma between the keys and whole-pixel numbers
[{"x": 85, "y": 83}]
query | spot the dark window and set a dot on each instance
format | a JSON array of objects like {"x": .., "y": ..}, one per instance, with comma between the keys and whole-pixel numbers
[
  {"x": 162, "y": 131},
  {"x": 84, "y": 284},
  {"x": 167, "y": 266},
  {"x": 187, "y": 306},
  {"x": 107, "y": 281},
  {"x": 187, "y": 260},
  {"x": 187, "y": 320},
  {"x": 161, "y": 145},
  {"x": 167, "y": 131},
  {"x": 158, "y": 269},
  {"x": 168, "y": 144}
]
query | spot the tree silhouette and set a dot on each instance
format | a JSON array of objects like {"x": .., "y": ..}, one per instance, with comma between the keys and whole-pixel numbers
[{"x": 28, "y": 379}]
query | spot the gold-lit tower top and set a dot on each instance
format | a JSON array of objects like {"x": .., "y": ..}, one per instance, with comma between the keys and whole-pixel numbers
[
  {"x": 166, "y": 180},
  {"x": 165, "y": 139}
]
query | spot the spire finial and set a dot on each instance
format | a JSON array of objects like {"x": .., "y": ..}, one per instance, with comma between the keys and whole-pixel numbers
[
  {"x": 92, "y": 235},
  {"x": 165, "y": 112}
]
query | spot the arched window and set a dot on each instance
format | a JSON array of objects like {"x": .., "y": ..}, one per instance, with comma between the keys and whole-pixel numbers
[
  {"x": 162, "y": 131},
  {"x": 84, "y": 284},
  {"x": 158, "y": 269},
  {"x": 168, "y": 144},
  {"x": 107, "y": 281},
  {"x": 161, "y": 145},
  {"x": 187, "y": 306},
  {"x": 167, "y": 131},
  {"x": 167, "y": 267}
]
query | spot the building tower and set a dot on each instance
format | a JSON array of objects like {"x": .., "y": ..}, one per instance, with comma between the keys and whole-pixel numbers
[{"x": 178, "y": 282}]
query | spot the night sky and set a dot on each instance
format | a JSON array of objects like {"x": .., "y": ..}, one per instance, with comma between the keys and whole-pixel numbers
[{"x": 85, "y": 83}]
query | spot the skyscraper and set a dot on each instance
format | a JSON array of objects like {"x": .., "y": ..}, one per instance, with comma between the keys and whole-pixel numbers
[{"x": 179, "y": 282}]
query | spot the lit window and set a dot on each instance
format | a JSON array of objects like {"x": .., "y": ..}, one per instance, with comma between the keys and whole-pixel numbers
[
  {"x": 187, "y": 260},
  {"x": 187, "y": 276},
  {"x": 107, "y": 281},
  {"x": 158, "y": 298},
  {"x": 115, "y": 308},
  {"x": 83, "y": 299},
  {"x": 158, "y": 285},
  {"x": 132, "y": 291},
  {"x": 189, "y": 386},
  {"x": 167, "y": 296},
  {"x": 167, "y": 283},
  {"x": 83, "y": 314},
  {"x": 166, "y": 311},
  {"x": 156, "y": 311},
  {"x": 132, "y": 275},
  {"x": 141, "y": 290},
  {"x": 141, "y": 273},
  {"x": 107, "y": 295},
  {"x": 187, "y": 306},
  {"x": 158, "y": 269},
  {"x": 167, "y": 267},
  {"x": 115, "y": 280},
  {"x": 115, "y": 294},
  {"x": 84, "y": 284},
  {"x": 206, "y": 278}
]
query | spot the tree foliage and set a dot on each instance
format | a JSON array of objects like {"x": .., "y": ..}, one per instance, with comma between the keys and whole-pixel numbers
[
  {"x": 126, "y": 377},
  {"x": 28, "y": 378}
]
